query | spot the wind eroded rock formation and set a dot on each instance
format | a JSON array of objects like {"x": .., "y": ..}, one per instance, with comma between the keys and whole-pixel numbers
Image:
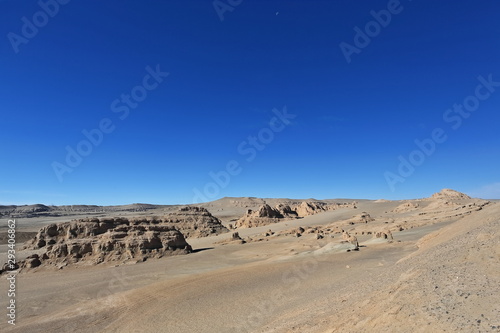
[{"x": 93, "y": 241}]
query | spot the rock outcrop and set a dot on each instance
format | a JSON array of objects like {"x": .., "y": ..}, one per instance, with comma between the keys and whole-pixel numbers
[
  {"x": 266, "y": 214},
  {"x": 307, "y": 208},
  {"x": 194, "y": 222},
  {"x": 310, "y": 208},
  {"x": 263, "y": 216},
  {"x": 364, "y": 217},
  {"x": 267, "y": 211},
  {"x": 449, "y": 194},
  {"x": 234, "y": 239},
  {"x": 350, "y": 239},
  {"x": 387, "y": 234},
  {"x": 405, "y": 207},
  {"x": 93, "y": 241},
  {"x": 286, "y": 210}
]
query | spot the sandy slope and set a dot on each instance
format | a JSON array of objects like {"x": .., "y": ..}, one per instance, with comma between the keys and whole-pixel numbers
[
  {"x": 452, "y": 283},
  {"x": 443, "y": 276}
]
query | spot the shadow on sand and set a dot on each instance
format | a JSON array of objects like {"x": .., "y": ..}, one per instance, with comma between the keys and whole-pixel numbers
[{"x": 202, "y": 249}]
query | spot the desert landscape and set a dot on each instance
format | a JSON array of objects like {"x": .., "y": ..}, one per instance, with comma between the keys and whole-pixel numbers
[
  {"x": 258, "y": 265},
  {"x": 230, "y": 166}
]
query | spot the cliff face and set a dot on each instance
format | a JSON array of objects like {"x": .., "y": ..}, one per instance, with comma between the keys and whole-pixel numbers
[
  {"x": 93, "y": 241},
  {"x": 263, "y": 216},
  {"x": 194, "y": 222},
  {"x": 266, "y": 214}
]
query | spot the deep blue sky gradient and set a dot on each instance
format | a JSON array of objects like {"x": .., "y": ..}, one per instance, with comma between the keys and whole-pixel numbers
[{"x": 352, "y": 120}]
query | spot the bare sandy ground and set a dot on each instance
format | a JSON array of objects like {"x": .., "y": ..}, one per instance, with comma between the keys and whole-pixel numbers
[{"x": 440, "y": 274}]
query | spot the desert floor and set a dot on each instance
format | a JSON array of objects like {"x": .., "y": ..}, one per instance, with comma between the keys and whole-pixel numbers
[{"x": 438, "y": 276}]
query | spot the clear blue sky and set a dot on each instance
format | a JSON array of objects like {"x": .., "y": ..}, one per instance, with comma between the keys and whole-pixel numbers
[{"x": 352, "y": 120}]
